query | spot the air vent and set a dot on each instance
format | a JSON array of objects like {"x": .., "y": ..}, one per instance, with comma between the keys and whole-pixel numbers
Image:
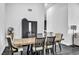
[{"x": 30, "y": 10}]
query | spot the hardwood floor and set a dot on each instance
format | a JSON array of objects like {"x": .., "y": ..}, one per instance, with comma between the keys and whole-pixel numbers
[{"x": 66, "y": 50}]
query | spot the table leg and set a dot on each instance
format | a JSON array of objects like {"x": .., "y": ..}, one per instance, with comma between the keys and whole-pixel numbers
[
  {"x": 31, "y": 50},
  {"x": 53, "y": 49},
  {"x": 28, "y": 49}
]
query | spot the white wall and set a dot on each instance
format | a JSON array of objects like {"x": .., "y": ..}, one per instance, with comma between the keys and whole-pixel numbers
[
  {"x": 16, "y": 12},
  {"x": 73, "y": 18},
  {"x": 57, "y": 20},
  {"x": 73, "y": 12},
  {"x": 2, "y": 28}
]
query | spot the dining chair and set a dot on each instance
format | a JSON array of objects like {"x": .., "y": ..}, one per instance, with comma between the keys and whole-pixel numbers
[
  {"x": 50, "y": 44},
  {"x": 12, "y": 47},
  {"x": 58, "y": 40},
  {"x": 38, "y": 47},
  {"x": 39, "y": 35},
  {"x": 49, "y": 34}
]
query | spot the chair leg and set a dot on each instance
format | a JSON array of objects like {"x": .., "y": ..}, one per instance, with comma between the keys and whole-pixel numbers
[
  {"x": 42, "y": 52},
  {"x": 55, "y": 47},
  {"x": 59, "y": 46},
  {"x": 31, "y": 49},
  {"x": 21, "y": 52},
  {"x": 12, "y": 53},
  {"x": 47, "y": 51},
  {"x": 53, "y": 50},
  {"x": 36, "y": 53}
]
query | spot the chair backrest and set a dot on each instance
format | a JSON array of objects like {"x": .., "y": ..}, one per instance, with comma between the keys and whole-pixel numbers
[
  {"x": 39, "y": 35},
  {"x": 50, "y": 40},
  {"x": 50, "y": 34},
  {"x": 58, "y": 36},
  {"x": 39, "y": 42},
  {"x": 9, "y": 42}
]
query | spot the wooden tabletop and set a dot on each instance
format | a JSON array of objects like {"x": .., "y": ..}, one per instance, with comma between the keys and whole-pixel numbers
[{"x": 24, "y": 41}]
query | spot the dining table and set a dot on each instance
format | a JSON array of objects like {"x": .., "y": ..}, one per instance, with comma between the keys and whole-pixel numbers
[{"x": 29, "y": 41}]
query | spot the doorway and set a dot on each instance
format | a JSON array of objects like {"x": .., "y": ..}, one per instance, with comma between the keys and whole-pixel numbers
[{"x": 29, "y": 28}]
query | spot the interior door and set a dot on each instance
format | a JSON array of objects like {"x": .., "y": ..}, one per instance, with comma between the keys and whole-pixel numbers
[{"x": 25, "y": 28}]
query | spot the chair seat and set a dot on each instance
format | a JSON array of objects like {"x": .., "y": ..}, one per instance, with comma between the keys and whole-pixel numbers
[
  {"x": 37, "y": 48},
  {"x": 13, "y": 49},
  {"x": 49, "y": 46},
  {"x": 20, "y": 49}
]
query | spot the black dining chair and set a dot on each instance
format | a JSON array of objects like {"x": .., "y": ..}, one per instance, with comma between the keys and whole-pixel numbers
[
  {"x": 38, "y": 47},
  {"x": 39, "y": 35},
  {"x": 13, "y": 48},
  {"x": 50, "y": 44}
]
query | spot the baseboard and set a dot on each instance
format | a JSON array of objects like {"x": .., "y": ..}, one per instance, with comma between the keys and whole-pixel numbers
[
  {"x": 66, "y": 44},
  {"x": 74, "y": 45}
]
